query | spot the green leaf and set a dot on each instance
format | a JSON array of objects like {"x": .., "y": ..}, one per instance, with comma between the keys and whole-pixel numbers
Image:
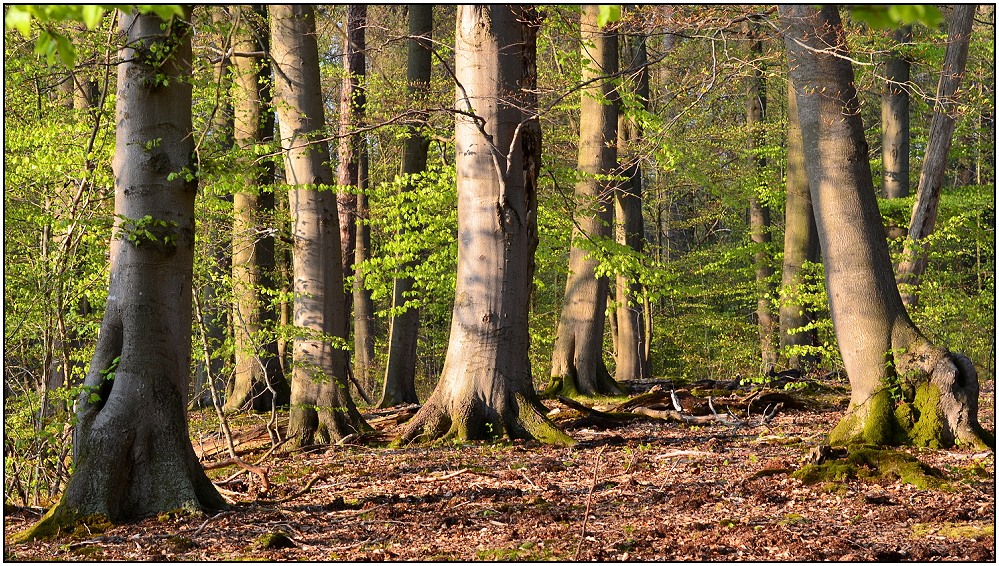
[
  {"x": 884, "y": 17},
  {"x": 92, "y": 15},
  {"x": 608, "y": 13},
  {"x": 66, "y": 50},
  {"x": 18, "y": 17},
  {"x": 164, "y": 11}
]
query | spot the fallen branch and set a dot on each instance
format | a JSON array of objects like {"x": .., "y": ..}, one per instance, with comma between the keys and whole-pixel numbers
[
  {"x": 589, "y": 499},
  {"x": 261, "y": 473},
  {"x": 302, "y": 491}
]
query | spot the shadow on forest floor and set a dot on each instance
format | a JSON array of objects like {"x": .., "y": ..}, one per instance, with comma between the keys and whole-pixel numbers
[{"x": 653, "y": 490}]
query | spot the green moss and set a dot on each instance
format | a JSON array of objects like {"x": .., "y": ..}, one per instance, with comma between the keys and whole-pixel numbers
[
  {"x": 955, "y": 530},
  {"x": 180, "y": 544},
  {"x": 61, "y": 520},
  {"x": 880, "y": 426},
  {"x": 88, "y": 551},
  {"x": 793, "y": 519},
  {"x": 867, "y": 463},
  {"x": 273, "y": 540},
  {"x": 928, "y": 429}
]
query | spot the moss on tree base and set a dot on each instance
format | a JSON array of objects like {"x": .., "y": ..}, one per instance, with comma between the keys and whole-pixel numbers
[{"x": 870, "y": 464}]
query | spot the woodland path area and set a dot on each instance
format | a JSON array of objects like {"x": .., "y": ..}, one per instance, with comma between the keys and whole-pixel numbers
[{"x": 645, "y": 490}]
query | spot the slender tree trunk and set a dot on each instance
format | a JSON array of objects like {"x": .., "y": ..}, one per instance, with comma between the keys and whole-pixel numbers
[
  {"x": 759, "y": 214},
  {"x": 931, "y": 177},
  {"x": 880, "y": 345},
  {"x": 577, "y": 362},
  {"x": 132, "y": 454},
  {"x": 895, "y": 122},
  {"x": 259, "y": 380},
  {"x": 321, "y": 407},
  {"x": 485, "y": 389},
  {"x": 215, "y": 311},
  {"x": 801, "y": 244},
  {"x": 631, "y": 361},
  {"x": 400, "y": 369}
]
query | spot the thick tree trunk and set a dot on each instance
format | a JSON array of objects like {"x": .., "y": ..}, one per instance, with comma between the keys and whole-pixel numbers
[
  {"x": 631, "y": 361},
  {"x": 880, "y": 345},
  {"x": 485, "y": 389},
  {"x": 577, "y": 361},
  {"x": 759, "y": 214},
  {"x": 132, "y": 454},
  {"x": 895, "y": 122},
  {"x": 321, "y": 407},
  {"x": 801, "y": 244},
  {"x": 259, "y": 382},
  {"x": 400, "y": 368},
  {"x": 931, "y": 177}
]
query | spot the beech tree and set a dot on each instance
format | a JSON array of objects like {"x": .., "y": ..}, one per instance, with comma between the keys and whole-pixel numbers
[
  {"x": 132, "y": 454},
  {"x": 485, "y": 387},
  {"x": 882, "y": 349},
  {"x": 801, "y": 245},
  {"x": 322, "y": 409},
  {"x": 631, "y": 357},
  {"x": 352, "y": 199},
  {"x": 400, "y": 367},
  {"x": 259, "y": 381},
  {"x": 895, "y": 120},
  {"x": 577, "y": 361},
  {"x": 931, "y": 177}
]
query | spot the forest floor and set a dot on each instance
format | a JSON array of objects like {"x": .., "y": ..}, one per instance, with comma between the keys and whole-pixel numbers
[{"x": 645, "y": 490}]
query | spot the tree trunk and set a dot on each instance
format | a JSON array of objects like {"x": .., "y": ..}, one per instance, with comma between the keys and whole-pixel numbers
[
  {"x": 351, "y": 113},
  {"x": 132, "y": 454},
  {"x": 801, "y": 244},
  {"x": 759, "y": 214},
  {"x": 880, "y": 345},
  {"x": 259, "y": 382},
  {"x": 631, "y": 361},
  {"x": 400, "y": 369},
  {"x": 321, "y": 407},
  {"x": 895, "y": 122},
  {"x": 485, "y": 389},
  {"x": 931, "y": 177},
  {"x": 577, "y": 361},
  {"x": 214, "y": 310}
]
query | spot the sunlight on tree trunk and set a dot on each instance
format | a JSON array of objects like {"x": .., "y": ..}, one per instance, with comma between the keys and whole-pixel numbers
[
  {"x": 883, "y": 351},
  {"x": 485, "y": 389}
]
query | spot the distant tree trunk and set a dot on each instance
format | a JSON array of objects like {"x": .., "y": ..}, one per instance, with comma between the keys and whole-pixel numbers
[
  {"x": 259, "y": 382},
  {"x": 321, "y": 407},
  {"x": 801, "y": 244},
  {"x": 880, "y": 345},
  {"x": 485, "y": 389},
  {"x": 895, "y": 122},
  {"x": 355, "y": 235},
  {"x": 931, "y": 177},
  {"x": 631, "y": 361},
  {"x": 214, "y": 311},
  {"x": 759, "y": 214},
  {"x": 577, "y": 362},
  {"x": 400, "y": 369},
  {"x": 132, "y": 454}
]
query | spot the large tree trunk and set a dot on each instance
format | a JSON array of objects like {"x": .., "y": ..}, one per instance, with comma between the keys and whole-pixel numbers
[
  {"x": 259, "y": 382},
  {"x": 931, "y": 177},
  {"x": 801, "y": 244},
  {"x": 880, "y": 345},
  {"x": 352, "y": 177},
  {"x": 631, "y": 361},
  {"x": 759, "y": 214},
  {"x": 895, "y": 121},
  {"x": 321, "y": 407},
  {"x": 485, "y": 389},
  {"x": 132, "y": 454},
  {"x": 577, "y": 361},
  {"x": 400, "y": 368}
]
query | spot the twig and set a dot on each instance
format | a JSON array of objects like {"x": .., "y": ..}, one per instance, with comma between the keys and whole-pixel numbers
[
  {"x": 302, "y": 491},
  {"x": 589, "y": 498},
  {"x": 209, "y": 520}
]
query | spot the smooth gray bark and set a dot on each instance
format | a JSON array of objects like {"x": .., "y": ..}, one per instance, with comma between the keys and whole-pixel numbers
[
  {"x": 577, "y": 361},
  {"x": 400, "y": 369},
  {"x": 322, "y": 409},
  {"x": 895, "y": 121},
  {"x": 485, "y": 389},
  {"x": 879, "y": 343},
  {"x": 132, "y": 454}
]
